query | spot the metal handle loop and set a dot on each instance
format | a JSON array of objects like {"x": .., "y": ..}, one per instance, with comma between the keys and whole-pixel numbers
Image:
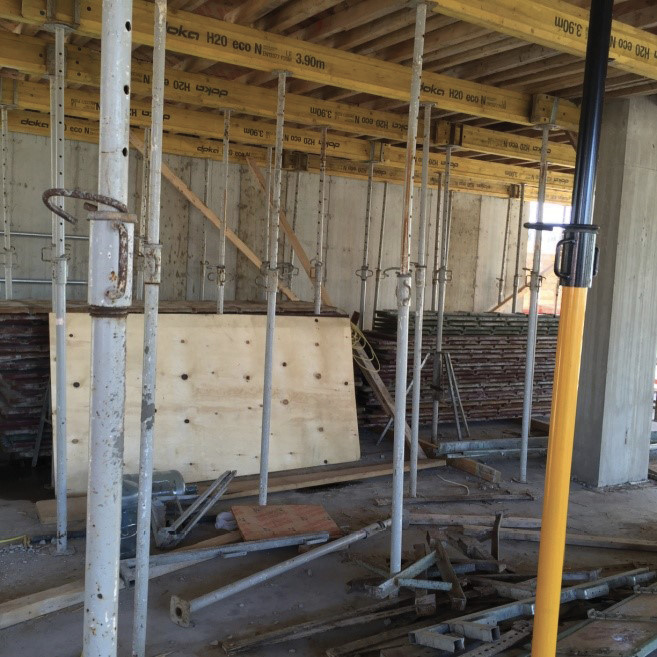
[{"x": 82, "y": 195}]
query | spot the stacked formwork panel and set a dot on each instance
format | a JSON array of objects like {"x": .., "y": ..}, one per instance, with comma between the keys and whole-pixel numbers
[{"x": 488, "y": 354}]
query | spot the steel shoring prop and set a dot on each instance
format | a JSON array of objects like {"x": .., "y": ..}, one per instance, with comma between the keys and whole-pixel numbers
[
  {"x": 379, "y": 257},
  {"x": 442, "y": 284},
  {"x": 505, "y": 244},
  {"x": 575, "y": 267},
  {"x": 110, "y": 259},
  {"x": 517, "y": 276},
  {"x": 404, "y": 290},
  {"x": 6, "y": 219},
  {"x": 420, "y": 283},
  {"x": 152, "y": 261},
  {"x": 532, "y": 320},
  {"x": 364, "y": 272},
  {"x": 181, "y": 610},
  {"x": 267, "y": 203},
  {"x": 143, "y": 213},
  {"x": 206, "y": 201},
  {"x": 321, "y": 211},
  {"x": 295, "y": 212},
  {"x": 436, "y": 247},
  {"x": 59, "y": 275},
  {"x": 221, "y": 267},
  {"x": 272, "y": 288}
]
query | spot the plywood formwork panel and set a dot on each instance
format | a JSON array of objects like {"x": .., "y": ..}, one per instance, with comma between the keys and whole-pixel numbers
[{"x": 209, "y": 394}]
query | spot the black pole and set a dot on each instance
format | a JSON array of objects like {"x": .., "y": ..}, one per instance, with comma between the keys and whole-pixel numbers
[{"x": 576, "y": 251}]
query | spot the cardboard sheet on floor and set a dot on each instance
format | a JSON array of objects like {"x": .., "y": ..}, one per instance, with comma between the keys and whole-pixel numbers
[
  {"x": 259, "y": 522},
  {"x": 209, "y": 394}
]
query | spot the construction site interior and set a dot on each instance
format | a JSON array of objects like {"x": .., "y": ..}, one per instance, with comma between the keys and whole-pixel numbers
[{"x": 328, "y": 328}]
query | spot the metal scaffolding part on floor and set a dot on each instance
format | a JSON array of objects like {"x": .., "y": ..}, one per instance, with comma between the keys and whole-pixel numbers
[
  {"x": 442, "y": 290},
  {"x": 365, "y": 272},
  {"x": 152, "y": 266},
  {"x": 532, "y": 319},
  {"x": 110, "y": 259},
  {"x": 517, "y": 277},
  {"x": 272, "y": 288},
  {"x": 378, "y": 272},
  {"x": 420, "y": 283},
  {"x": 181, "y": 610},
  {"x": 221, "y": 266},
  {"x": 318, "y": 270},
  {"x": 404, "y": 291}
]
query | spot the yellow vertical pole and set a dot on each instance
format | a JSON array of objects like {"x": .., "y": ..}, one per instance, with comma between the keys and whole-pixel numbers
[
  {"x": 557, "y": 478},
  {"x": 575, "y": 265}
]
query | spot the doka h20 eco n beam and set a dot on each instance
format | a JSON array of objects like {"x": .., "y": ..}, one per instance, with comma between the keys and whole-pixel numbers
[
  {"x": 559, "y": 25},
  {"x": 216, "y": 40},
  {"x": 28, "y": 55},
  {"x": 84, "y": 104}
]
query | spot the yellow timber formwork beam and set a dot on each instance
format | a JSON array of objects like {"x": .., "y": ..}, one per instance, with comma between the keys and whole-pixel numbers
[
  {"x": 396, "y": 157},
  {"x": 84, "y": 104},
  {"x": 504, "y": 144},
  {"x": 558, "y": 25},
  {"x": 457, "y": 182},
  {"x": 87, "y": 131},
  {"x": 28, "y": 55},
  {"x": 219, "y": 41}
]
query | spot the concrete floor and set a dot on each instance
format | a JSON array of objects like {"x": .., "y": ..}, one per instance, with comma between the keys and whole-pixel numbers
[{"x": 311, "y": 592}]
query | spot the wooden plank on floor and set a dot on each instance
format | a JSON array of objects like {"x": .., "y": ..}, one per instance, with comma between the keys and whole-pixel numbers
[
  {"x": 475, "y": 468},
  {"x": 258, "y": 523},
  {"x": 248, "y": 486},
  {"x": 379, "y": 389}
]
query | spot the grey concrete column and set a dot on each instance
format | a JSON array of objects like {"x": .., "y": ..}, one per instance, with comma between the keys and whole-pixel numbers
[{"x": 614, "y": 409}]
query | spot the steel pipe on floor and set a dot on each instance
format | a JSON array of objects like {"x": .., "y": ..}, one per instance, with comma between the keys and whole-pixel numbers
[
  {"x": 272, "y": 288},
  {"x": 152, "y": 261},
  {"x": 110, "y": 253},
  {"x": 532, "y": 319},
  {"x": 404, "y": 291},
  {"x": 181, "y": 610},
  {"x": 420, "y": 282}
]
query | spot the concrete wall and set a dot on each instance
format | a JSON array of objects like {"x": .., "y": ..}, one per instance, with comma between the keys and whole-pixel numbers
[
  {"x": 475, "y": 247},
  {"x": 614, "y": 409}
]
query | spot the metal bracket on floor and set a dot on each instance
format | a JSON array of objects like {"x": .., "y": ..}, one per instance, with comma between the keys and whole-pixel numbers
[
  {"x": 166, "y": 537},
  {"x": 407, "y": 579}
]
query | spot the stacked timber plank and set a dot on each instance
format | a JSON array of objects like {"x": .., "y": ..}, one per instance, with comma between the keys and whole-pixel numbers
[
  {"x": 488, "y": 354},
  {"x": 24, "y": 370}
]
